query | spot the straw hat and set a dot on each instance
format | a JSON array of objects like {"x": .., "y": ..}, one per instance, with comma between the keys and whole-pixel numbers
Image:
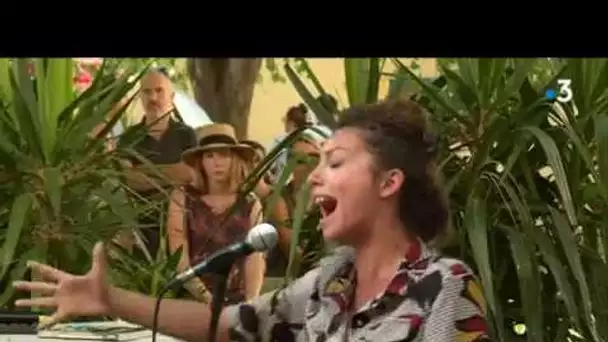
[{"x": 216, "y": 135}]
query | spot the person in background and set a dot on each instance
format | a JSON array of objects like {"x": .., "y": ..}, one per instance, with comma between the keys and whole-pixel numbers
[
  {"x": 295, "y": 118},
  {"x": 260, "y": 150},
  {"x": 163, "y": 144},
  {"x": 198, "y": 218},
  {"x": 264, "y": 186},
  {"x": 305, "y": 153},
  {"x": 378, "y": 188},
  {"x": 278, "y": 216}
]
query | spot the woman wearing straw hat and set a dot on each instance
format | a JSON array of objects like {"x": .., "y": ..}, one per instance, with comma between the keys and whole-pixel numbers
[{"x": 218, "y": 161}]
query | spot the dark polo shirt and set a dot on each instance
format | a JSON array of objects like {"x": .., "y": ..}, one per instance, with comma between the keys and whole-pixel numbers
[
  {"x": 169, "y": 147},
  {"x": 166, "y": 150}
]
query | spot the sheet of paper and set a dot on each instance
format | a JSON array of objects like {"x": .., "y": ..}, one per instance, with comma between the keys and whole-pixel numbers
[{"x": 96, "y": 331}]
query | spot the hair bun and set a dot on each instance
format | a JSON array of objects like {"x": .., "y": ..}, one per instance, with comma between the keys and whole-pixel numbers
[
  {"x": 413, "y": 121},
  {"x": 403, "y": 120}
]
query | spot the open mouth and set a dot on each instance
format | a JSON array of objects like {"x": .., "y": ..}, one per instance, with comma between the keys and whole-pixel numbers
[{"x": 327, "y": 205}]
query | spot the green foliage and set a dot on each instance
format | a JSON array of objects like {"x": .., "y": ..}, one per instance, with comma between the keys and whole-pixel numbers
[
  {"x": 179, "y": 75},
  {"x": 519, "y": 170},
  {"x": 362, "y": 83},
  {"x": 60, "y": 188},
  {"x": 134, "y": 271},
  {"x": 276, "y": 74},
  {"x": 527, "y": 183}
]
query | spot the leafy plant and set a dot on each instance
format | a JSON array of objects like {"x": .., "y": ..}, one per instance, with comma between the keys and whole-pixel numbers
[
  {"x": 136, "y": 269},
  {"x": 520, "y": 171},
  {"x": 272, "y": 65},
  {"x": 61, "y": 189},
  {"x": 136, "y": 272},
  {"x": 362, "y": 83}
]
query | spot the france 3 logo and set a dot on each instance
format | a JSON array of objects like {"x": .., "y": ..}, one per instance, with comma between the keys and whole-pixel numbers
[{"x": 564, "y": 95}]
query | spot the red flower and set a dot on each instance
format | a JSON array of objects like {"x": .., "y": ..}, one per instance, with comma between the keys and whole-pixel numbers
[
  {"x": 83, "y": 77},
  {"x": 82, "y": 80}
]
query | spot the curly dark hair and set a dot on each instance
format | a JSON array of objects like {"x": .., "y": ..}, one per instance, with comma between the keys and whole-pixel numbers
[{"x": 398, "y": 134}]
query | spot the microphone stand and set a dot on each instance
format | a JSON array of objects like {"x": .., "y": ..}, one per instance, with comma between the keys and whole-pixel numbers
[{"x": 220, "y": 283}]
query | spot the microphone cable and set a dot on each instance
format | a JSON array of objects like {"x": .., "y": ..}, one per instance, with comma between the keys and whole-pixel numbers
[{"x": 159, "y": 299}]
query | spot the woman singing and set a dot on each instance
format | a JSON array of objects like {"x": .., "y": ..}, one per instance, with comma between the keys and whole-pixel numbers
[
  {"x": 199, "y": 219},
  {"x": 377, "y": 187}
]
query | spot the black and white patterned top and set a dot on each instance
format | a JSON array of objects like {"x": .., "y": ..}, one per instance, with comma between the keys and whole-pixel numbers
[{"x": 430, "y": 299}]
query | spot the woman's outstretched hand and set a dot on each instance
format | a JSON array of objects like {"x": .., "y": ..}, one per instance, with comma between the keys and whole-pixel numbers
[{"x": 68, "y": 294}]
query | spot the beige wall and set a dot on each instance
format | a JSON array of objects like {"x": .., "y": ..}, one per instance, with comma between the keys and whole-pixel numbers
[{"x": 271, "y": 100}]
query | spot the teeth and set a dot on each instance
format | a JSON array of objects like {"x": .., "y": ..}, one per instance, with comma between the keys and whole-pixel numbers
[{"x": 320, "y": 199}]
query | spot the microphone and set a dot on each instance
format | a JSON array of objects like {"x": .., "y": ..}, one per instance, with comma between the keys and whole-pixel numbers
[{"x": 260, "y": 238}]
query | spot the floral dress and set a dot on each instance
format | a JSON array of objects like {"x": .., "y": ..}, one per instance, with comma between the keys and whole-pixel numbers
[
  {"x": 430, "y": 299},
  {"x": 208, "y": 232}
]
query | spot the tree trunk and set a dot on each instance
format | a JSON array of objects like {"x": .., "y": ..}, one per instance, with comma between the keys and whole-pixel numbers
[{"x": 224, "y": 87}]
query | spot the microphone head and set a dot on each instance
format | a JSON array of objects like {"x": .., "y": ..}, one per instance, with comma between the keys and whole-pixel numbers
[{"x": 262, "y": 237}]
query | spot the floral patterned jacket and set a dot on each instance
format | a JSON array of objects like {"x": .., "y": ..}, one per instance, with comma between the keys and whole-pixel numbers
[{"x": 430, "y": 299}]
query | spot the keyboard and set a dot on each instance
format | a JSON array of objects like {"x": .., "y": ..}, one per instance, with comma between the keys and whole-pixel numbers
[{"x": 18, "y": 329}]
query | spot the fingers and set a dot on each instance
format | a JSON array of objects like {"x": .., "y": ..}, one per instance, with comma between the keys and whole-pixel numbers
[
  {"x": 47, "y": 271},
  {"x": 45, "y": 289},
  {"x": 45, "y": 302},
  {"x": 56, "y": 318}
]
